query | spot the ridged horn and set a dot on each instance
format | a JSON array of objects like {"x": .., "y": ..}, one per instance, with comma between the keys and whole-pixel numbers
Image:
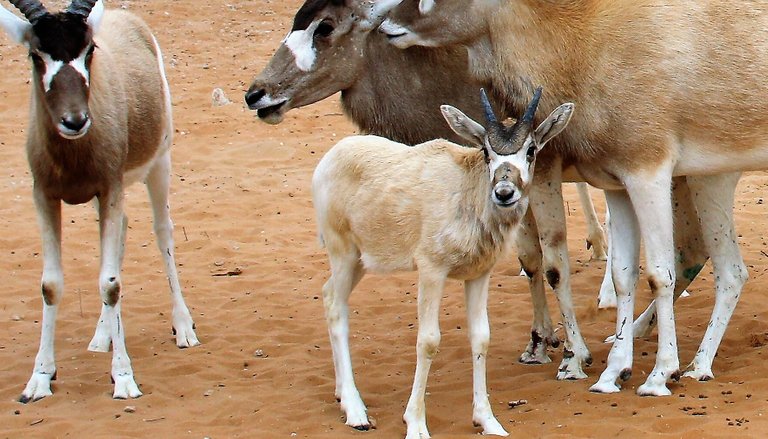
[
  {"x": 531, "y": 110},
  {"x": 490, "y": 116},
  {"x": 32, "y": 9},
  {"x": 81, "y": 7}
]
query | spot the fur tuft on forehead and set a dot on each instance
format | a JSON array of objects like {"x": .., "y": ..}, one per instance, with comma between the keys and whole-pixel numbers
[
  {"x": 509, "y": 140},
  {"x": 63, "y": 36},
  {"x": 308, "y": 12}
]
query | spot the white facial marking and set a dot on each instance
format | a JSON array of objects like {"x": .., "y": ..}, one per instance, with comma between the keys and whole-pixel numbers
[
  {"x": 52, "y": 67},
  {"x": 299, "y": 42},
  {"x": 79, "y": 65}
]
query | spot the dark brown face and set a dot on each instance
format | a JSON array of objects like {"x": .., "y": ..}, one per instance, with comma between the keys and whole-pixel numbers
[
  {"x": 322, "y": 54},
  {"x": 61, "y": 49}
]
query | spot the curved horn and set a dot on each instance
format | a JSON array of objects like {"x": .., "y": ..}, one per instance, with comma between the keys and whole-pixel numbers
[
  {"x": 489, "y": 114},
  {"x": 531, "y": 110},
  {"x": 32, "y": 9},
  {"x": 81, "y": 7}
]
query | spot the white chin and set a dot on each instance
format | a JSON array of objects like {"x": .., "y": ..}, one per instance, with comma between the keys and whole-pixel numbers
[{"x": 72, "y": 135}]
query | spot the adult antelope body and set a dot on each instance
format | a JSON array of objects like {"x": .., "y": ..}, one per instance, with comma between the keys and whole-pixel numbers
[
  {"x": 100, "y": 119},
  {"x": 667, "y": 89},
  {"x": 377, "y": 82}
]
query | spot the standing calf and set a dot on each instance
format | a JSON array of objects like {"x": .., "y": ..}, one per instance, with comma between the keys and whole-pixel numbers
[
  {"x": 437, "y": 207},
  {"x": 100, "y": 120}
]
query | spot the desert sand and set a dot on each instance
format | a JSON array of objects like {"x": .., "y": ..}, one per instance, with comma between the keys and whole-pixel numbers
[{"x": 251, "y": 270}]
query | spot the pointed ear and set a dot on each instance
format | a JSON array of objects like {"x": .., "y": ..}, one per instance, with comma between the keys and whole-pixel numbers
[
  {"x": 94, "y": 18},
  {"x": 462, "y": 125},
  {"x": 15, "y": 27},
  {"x": 553, "y": 124},
  {"x": 374, "y": 11}
]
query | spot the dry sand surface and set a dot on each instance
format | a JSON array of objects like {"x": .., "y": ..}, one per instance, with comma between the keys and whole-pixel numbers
[{"x": 241, "y": 205}]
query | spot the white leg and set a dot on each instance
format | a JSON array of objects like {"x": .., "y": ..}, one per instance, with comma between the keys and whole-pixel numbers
[
  {"x": 529, "y": 254},
  {"x": 102, "y": 338},
  {"x": 607, "y": 297},
  {"x": 52, "y": 286},
  {"x": 651, "y": 196},
  {"x": 595, "y": 233},
  {"x": 476, "y": 297},
  {"x": 158, "y": 182},
  {"x": 625, "y": 270},
  {"x": 714, "y": 196},
  {"x": 111, "y": 223},
  {"x": 346, "y": 272},
  {"x": 547, "y": 205},
  {"x": 427, "y": 344},
  {"x": 690, "y": 252}
]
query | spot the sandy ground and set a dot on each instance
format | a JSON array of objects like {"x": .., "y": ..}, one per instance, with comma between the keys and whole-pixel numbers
[{"x": 241, "y": 203}]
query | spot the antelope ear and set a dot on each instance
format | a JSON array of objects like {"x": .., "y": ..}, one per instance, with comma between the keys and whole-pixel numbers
[
  {"x": 554, "y": 124},
  {"x": 425, "y": 6},
  {"x": 463, "y": 125},
  {"x": 15, "y": 27},
  {"x": 374, "y": 11},
  {"x": 94, "y": 18}
]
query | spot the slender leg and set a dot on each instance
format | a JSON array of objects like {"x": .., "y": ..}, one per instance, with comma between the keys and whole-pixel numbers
[
  {"x": 111, "y": 225},
  {"x": 547, "y": 205},
  {"x": 102, "y": 338},
  {"x": 625, "y": 253},
  {"x": 529, "y": 254},
  {"x": 595, "y": 233},
  {"x": 49, "y": 219},
  {"x": 607, "y": 297},
  {"x": 476, "y": 298},
  {"x": 690, "y": 252},
  {"x": 346, "y": 272},
  {"x": 427, "y": 343},
  {"x": 651, "y": 196},
  {"x": 158, "y": 182},
  {"x": 714, "y": 197}
]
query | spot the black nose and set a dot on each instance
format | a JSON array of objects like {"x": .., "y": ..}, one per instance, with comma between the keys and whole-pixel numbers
[
  {"x": 75, "y": 122},
  {"x": 504, "y": 193},
  {"x": 254, "y": 96}
]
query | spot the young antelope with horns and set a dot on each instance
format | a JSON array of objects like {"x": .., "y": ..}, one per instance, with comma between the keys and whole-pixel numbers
[
  {"x": 100, "y": 120},
  {"x": 440, "y": 208}
]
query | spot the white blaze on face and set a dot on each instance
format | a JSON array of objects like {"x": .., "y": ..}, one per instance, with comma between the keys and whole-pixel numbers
[
  {"x": 517, "y": 160},
  {"x": 52, "y": 67},
  {"x": 299, "y": 42}
]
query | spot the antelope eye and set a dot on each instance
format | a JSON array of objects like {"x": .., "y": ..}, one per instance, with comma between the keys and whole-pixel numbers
[
  {"x": 531, "y": 153},
  {"x": 36, "y": 58},
  {"x": 323, "y": 29},
  {"x": 89, "y": 55}
]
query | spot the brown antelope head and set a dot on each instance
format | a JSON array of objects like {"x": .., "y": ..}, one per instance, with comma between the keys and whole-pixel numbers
[
  {"x": 325, "y": 35},
  {"x": 510, "y": 151},
  {"x": 60, "y": 46},
  {"x": 436, "y": 23}
]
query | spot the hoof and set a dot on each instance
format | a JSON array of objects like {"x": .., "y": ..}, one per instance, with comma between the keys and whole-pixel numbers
[
  {"x": 625, "y": 374},
  {"x": 605, "y": 388}
]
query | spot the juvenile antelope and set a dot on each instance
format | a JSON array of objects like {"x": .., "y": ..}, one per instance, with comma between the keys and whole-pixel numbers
[
  {"x": 668, "y": 89},
  {"x": 100, "y": 119},
  {"x": 439, "y": 208}
]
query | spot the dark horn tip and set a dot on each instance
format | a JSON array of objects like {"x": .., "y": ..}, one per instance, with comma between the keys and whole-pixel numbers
[
  {"x": 81, "y": 7},
  {"x": 490, "y": 116},
  {"x": 33, "y": 10},
  {"x": 531, "y": 110}
]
